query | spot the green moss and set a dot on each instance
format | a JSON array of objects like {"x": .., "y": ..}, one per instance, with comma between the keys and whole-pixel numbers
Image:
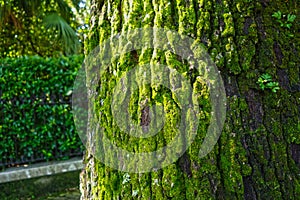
[
  {"x": 241, "y": 55},
  {"x": 229, "y": 25},
  {"x": 173, "y": 182},
  {"x": 293, "y": 72},
  {"x": 246, "y": 53}
]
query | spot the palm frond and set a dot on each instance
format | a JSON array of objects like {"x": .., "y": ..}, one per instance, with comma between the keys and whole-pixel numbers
[
  {"x": 65, "y": 9},
  {"x": 65, "y": 31}
]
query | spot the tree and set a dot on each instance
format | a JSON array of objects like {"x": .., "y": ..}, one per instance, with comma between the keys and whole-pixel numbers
[
  {"x": 257, "y": 154},
  {"x": 38, "y": 27}
]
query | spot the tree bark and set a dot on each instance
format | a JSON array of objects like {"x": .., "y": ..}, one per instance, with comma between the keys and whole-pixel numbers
[{"x": 258, "y": 153}]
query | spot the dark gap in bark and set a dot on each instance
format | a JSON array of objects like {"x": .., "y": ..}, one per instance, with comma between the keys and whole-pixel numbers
[
  {"x": 145, "y": 119},
  {"x": 121, "y": 18},
  {"x": 267, "y": 151},
  {"x": 150, "y": 187},
  {"x": 265, "y": 2},
  {"x": 249, "y": 193},
  {"x": 135, "y": 55},
  {"x": 278, "y": 52},
  {"x": 221, "y": 23},
  {"x": 261, "y": 31},
  {"x": 175, "y": 17},
  {"x": 195, "y": 193},
  {"x": 193, "y": 73},
  {"x": 283, "y": 79},
  {"x": 196, "y": 10},
  {"x": 230, "y": 84},
  {"x": 249, "y": 188},
  {"x": 255, "y": 109},
  {"x": 213, "y": 184},
  {"x": 295, "y": 153},
  {"x": 204, "y": 40},
  {"x": 220, "y": 192},
  {"x": 185, "y": 164},
  {"x": 295, "y": 88},
  {"x": 101, "y": 4},
  {"x": 219, "y": 1},
  {"x": 248, "y": 22}
]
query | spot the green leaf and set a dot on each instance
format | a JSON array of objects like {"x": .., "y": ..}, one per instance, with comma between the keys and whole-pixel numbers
[
  {"x": 65, "y": 31},
  {"x": 291, "y": 18},
  {"x": 266, "y": 77},
  {"x": 277, "y": 15},
  {"x": 275, "y": 89},
  {"x": 271, "y": 84}
]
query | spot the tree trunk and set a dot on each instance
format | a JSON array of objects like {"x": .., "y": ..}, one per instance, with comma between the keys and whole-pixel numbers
[{"x": 258, "y": 153}]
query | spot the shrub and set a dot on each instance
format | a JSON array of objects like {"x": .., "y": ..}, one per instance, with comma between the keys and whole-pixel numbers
[{"x": 36, "y": 122}]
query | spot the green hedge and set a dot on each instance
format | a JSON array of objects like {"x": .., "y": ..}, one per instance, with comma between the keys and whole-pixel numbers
[{"x": 36, "y": 122}]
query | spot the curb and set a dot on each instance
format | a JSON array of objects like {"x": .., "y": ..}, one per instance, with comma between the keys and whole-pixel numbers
[{"x": 40, "y": 169}]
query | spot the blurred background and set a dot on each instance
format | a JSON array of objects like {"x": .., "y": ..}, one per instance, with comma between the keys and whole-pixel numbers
[
  {"x": 42, "y": 27},
  {"x": 41, "y": 50}
]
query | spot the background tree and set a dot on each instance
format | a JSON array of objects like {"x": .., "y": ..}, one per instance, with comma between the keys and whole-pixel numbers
[
  {"x": 258, "y": 153},
  {"x": 45, "y": 28}
]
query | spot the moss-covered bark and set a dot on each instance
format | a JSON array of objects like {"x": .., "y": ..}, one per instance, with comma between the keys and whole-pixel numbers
[{"x": 258, "y": 153}]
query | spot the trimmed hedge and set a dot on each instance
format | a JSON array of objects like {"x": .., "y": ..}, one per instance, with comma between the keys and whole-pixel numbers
[{"x": 36, "y": 122}]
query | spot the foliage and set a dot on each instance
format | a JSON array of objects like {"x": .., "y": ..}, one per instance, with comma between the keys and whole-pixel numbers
[
  {"x": 36, "y": 119},
  {"x": 285, "y": 21},
  {"x": 265, "y": 81},
  {"x": 44, "y": 28}
]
